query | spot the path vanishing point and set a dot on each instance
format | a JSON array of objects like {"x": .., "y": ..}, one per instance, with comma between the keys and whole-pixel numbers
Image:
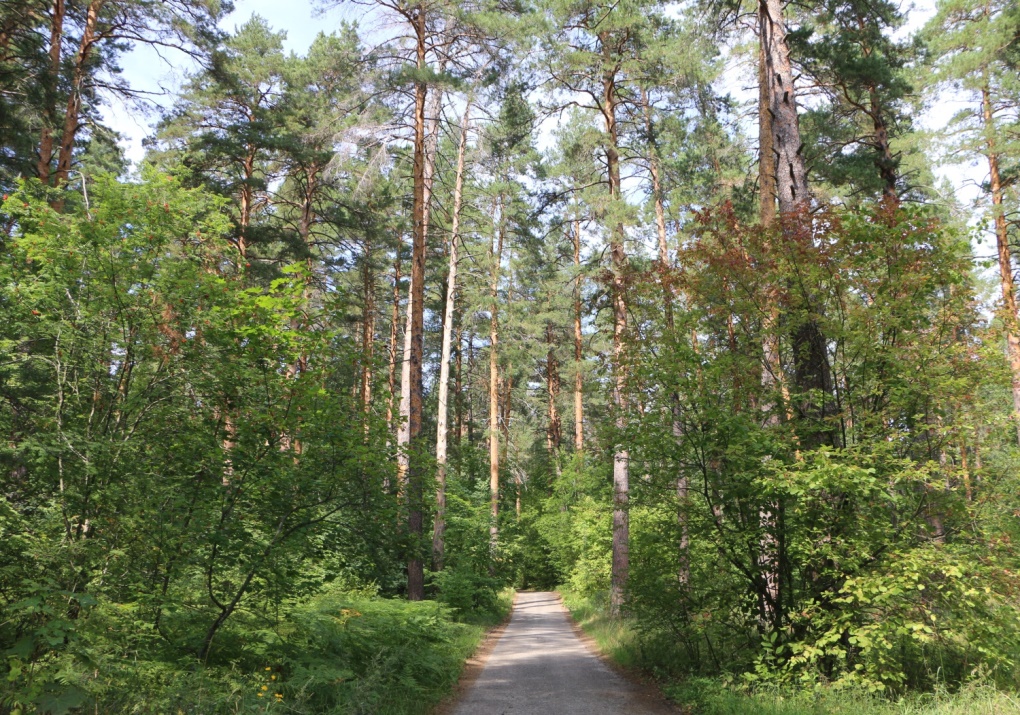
[{"x": 540, "y": 666}]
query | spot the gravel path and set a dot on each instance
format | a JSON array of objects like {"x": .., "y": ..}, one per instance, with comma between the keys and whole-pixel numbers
[{"x": 540, "y": 665}]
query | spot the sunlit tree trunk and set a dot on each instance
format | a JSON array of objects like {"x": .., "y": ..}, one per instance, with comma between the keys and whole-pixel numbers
[
  {"x": 496, "y": 256},
  {"x": 766, "y": 152},
  {"x": 790, "y": 169},
  {"x": 618, "y": 256},
  {"x": 49, "y": 109},
  {"x": 553, "y": 434},
  {"x": 1006, "y": 282},
  {"x": 72, "y": 119},
  {"x": 439, "y": 525},
  {"x": 391, "y": 379},
  {"x": 367, "y": 328},
  {"x": 416, "y": 467}
]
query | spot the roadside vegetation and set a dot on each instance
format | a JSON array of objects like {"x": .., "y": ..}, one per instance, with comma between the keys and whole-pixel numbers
[{"x": 730, "y": 694}]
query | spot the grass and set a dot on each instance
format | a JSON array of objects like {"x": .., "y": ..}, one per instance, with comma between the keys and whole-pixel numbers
[{"x": 618, "y": 639}]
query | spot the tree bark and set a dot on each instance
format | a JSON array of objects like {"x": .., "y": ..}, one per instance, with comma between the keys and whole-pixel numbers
[
  {"x": 621, "y": 457},
  {"x": 790, "y": 170},
  {"x": 496, "y": 255},
  {"x": 578, "y": 376},
  {"x": 72, "y": 120},
  {"x": 1006, "y": 282},
  {"x": 394, "y": 331},
  {"x": 439, "y": 525},
  {"x": 553, "y": 434},
  {"x": 52, "y": 81},
  {"x": 368, "y": 329},
  {"x": 416, "y": 470},
  {"x": 766, "y": 150},
  {"x": 780, "y": 158}
]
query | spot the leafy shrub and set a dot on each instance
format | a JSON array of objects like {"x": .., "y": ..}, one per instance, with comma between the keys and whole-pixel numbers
[{"x": 467, "y": 592}]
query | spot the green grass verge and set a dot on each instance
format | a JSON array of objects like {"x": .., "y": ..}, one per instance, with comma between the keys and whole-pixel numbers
[{"x": 618, "y": 639}]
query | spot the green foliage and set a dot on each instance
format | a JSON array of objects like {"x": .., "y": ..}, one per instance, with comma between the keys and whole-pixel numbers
[
  {"x": 710, "y": 697},
  {"x": 336, "y": 652}
]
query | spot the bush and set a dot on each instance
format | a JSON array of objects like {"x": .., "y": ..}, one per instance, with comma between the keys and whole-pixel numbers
[{"x": 468, "y": 592}]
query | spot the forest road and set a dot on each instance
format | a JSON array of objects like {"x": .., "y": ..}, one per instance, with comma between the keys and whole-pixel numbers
[{"x": 540, "y": 666}]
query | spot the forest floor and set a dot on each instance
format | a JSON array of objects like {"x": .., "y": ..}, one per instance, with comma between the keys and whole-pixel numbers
[{"x": 541, "y": 665}]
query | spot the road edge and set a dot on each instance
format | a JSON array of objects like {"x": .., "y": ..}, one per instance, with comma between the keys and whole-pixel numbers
[
  {"x": 475, "y": 664},
  {"x": 646, "y": 686}
]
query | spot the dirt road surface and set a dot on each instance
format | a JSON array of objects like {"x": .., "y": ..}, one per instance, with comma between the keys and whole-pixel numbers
[{"x": 541, "y": 666}]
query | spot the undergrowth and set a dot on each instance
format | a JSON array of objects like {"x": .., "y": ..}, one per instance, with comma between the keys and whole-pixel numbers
[
  {"x": 619, "y": 639},
  {"x": 337, "y": 653}
]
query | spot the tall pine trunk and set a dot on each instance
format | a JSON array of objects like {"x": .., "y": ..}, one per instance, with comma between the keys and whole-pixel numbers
[
  {"x": 368, "y": 329},
  {"x": 496, "y": 256},
  {"x": 72, "y": 119},
  {"x": 416, "y": 467},
  {"x": 439, "y": 525},
  {"x": 782, "y": 172},
  {"x": 621, "y": 457},
  {"x": 50, "y": 92},
  {"x": 1006, "y": 283}
]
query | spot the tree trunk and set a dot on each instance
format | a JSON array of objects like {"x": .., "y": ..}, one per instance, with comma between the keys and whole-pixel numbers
[
  {"x": 52, "y": 82},
  {"x": 506, "y": 410},
  {"x": 72, "y": 118},
  {"x": 416, "y": 467},
  {"x": 621, "y": 457},
  {"x": 439, "y": 526},
  {"x": 368, "y": 329},
  {"x": 553, "y": 435},
  {"x": 470, "y": 422},
  {"x": 578, "y": 376},
  {"x": 885, "y": 162},
  {"x": 784, "y": 174},
  {"x": 790, "y": 170},
  {"x": 1006, "y": 283},
  {"x": 404, "y": 427},
  {"x": 394, "y": 331},
  {"x": 766, "y": 151},
  {"x": 458, "y": 384},
  {"x": 496, "y": 255}
]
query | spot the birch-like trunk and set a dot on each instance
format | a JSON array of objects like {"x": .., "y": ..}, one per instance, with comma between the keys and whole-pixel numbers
[
  {"x": 391, "y": 378},
  {"x": 578, "y": 345},
  {"x": 496, "y": 256},
  {"x": 439, "y": 525}
]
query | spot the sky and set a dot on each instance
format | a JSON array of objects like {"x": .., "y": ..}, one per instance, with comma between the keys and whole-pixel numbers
[{"x": 161, "y": 74}]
